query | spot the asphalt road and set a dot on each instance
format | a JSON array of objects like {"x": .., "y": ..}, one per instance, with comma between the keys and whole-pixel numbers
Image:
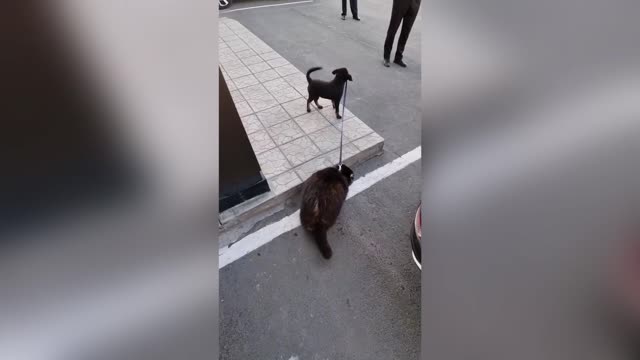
[{"x": 283, "y": 301}]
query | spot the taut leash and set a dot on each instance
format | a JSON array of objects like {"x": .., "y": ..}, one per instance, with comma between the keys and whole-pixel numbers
[{"x": 342, "y": 124}]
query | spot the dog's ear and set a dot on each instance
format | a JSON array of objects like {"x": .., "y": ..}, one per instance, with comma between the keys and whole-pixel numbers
[
  {"x": 349, "y": 77},
  {"x": 335, "y": 71}
]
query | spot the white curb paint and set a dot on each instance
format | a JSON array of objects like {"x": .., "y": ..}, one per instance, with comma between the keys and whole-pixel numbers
[
  {"x": 255, "y": 240},
  {"x": 265, "y": 6}
]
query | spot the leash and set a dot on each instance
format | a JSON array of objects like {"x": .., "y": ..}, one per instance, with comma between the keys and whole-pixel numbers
[{"x": 342, "y": 125}]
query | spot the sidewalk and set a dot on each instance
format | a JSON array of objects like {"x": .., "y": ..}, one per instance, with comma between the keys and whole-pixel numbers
[{"x": 290, "y": 144}]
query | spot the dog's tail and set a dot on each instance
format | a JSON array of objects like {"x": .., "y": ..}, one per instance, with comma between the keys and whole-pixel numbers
[
  {"x": 320, "y": 236},
  {"x": 310, "y": 71}
]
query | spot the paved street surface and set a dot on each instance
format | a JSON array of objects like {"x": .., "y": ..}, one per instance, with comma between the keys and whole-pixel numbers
[{"x": 283, "y": 301}]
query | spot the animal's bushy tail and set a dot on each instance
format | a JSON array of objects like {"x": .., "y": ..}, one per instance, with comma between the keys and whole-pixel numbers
[
  {"x": 320, "y": 236},
  {"x": 310, "y": 71}
]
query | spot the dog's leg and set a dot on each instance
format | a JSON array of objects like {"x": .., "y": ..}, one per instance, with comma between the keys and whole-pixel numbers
[
  {"x": 337, "y": 107},
  {"x": 308, "y": 102},
  {"x": 318, "y": 105}
]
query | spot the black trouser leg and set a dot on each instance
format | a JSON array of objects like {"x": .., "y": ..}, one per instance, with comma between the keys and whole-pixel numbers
[
  {"x": 354, "y": 8},
  {"x": 407, "y": 24},
  {"x": 394, "y": 23}
]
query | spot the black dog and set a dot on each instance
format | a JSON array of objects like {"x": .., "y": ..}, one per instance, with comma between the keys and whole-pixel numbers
[{"x": 331, "y": 90}]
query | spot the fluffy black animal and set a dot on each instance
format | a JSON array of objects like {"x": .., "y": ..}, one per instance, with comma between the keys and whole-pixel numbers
[
  {"x": 324, "y": 193},
  {"x": 331, "y": 90}
]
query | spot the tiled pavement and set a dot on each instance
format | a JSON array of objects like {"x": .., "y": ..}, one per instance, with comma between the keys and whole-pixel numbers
[{"x": 290, "y": 144}]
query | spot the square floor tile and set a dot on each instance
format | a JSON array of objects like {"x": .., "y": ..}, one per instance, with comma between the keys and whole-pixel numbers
[
  {"x": 261, "y": 141},
  {"x": 284, "y": 182},
  {"x": 243, "y": 108},
  {"x": 259, "y": 67},
  {"x": 354, "y": 128},
  {"x": 227, "y": 58},
  {"x": 225, "y": 51},
  {"x": 307, "y": 169},
  {"x": 229, "y": 37},
  {"x": 296, "y": 79},
  {"x": 241, "y": 31},
  {"x": 267, "y": 75},
  {"x": 330, "y": 113},
  {"x": 262, "y": 49},
  {"x": 255, "y": 92},
  {"x": 263, "y": 104},
  {"x": 273, "y": 163},
  {"x": 368, "y": 141},
  {"x": 348, "y": 150},
  {"x": 285, "y": 132},
  {"x": 312, "y": 122},
  {"x": 237, "y": 45},
  {"x": 245, "y": 54},
  {"x": 286, "y": 70},
  {"x": 300, "y": 150},
  {"x": 238, "y": 72},
  {"x": 245, "y": 81},
  {"x": 236, "y": 96},
  {"x": 303, "y": 89},
  {"x": 252, "y": 60},
  {"x": 273, "y": 116},
  {"x": 251, "y": 123},
  {"x": 247, "y": 36},
  {"x": 270, "y": 56},
  {"x": 280, "y": 61},
  {"x": 276, "y": 84},
  {"x": 297, "y": 107},
  {"x": 236, "y": 42},
  {"x": 285, "y": 95},
  {"x": 326, "y": 139},
  {"x": 257, "y": 44},
  {"x": 232, "y": 65}
]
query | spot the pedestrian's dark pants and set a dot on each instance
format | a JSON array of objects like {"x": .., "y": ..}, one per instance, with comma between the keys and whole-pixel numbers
[
  {"x": 354, "y": 7},
  {"x": 403, "y": 11}
]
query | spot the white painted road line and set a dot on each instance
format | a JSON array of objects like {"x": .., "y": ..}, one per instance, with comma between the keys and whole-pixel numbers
[
  {"x": 266, "y": 6},
  {"x": 263, "y": 236}
]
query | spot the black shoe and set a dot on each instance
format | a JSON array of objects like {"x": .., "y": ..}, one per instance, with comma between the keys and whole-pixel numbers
[
  {"x": 356, "y": 18},
  {"x": 400, "y": 62},
  {"x": 386, "y": 62},
  {"x": 343, "y": 16}
]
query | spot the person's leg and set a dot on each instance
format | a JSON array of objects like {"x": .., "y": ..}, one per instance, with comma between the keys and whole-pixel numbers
[
  {"x": 394, "y": 23},
  {"x": 407, "y": 24},
  {"x": 354, "y": 9},
  {"x": 344, "y": 8}
]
